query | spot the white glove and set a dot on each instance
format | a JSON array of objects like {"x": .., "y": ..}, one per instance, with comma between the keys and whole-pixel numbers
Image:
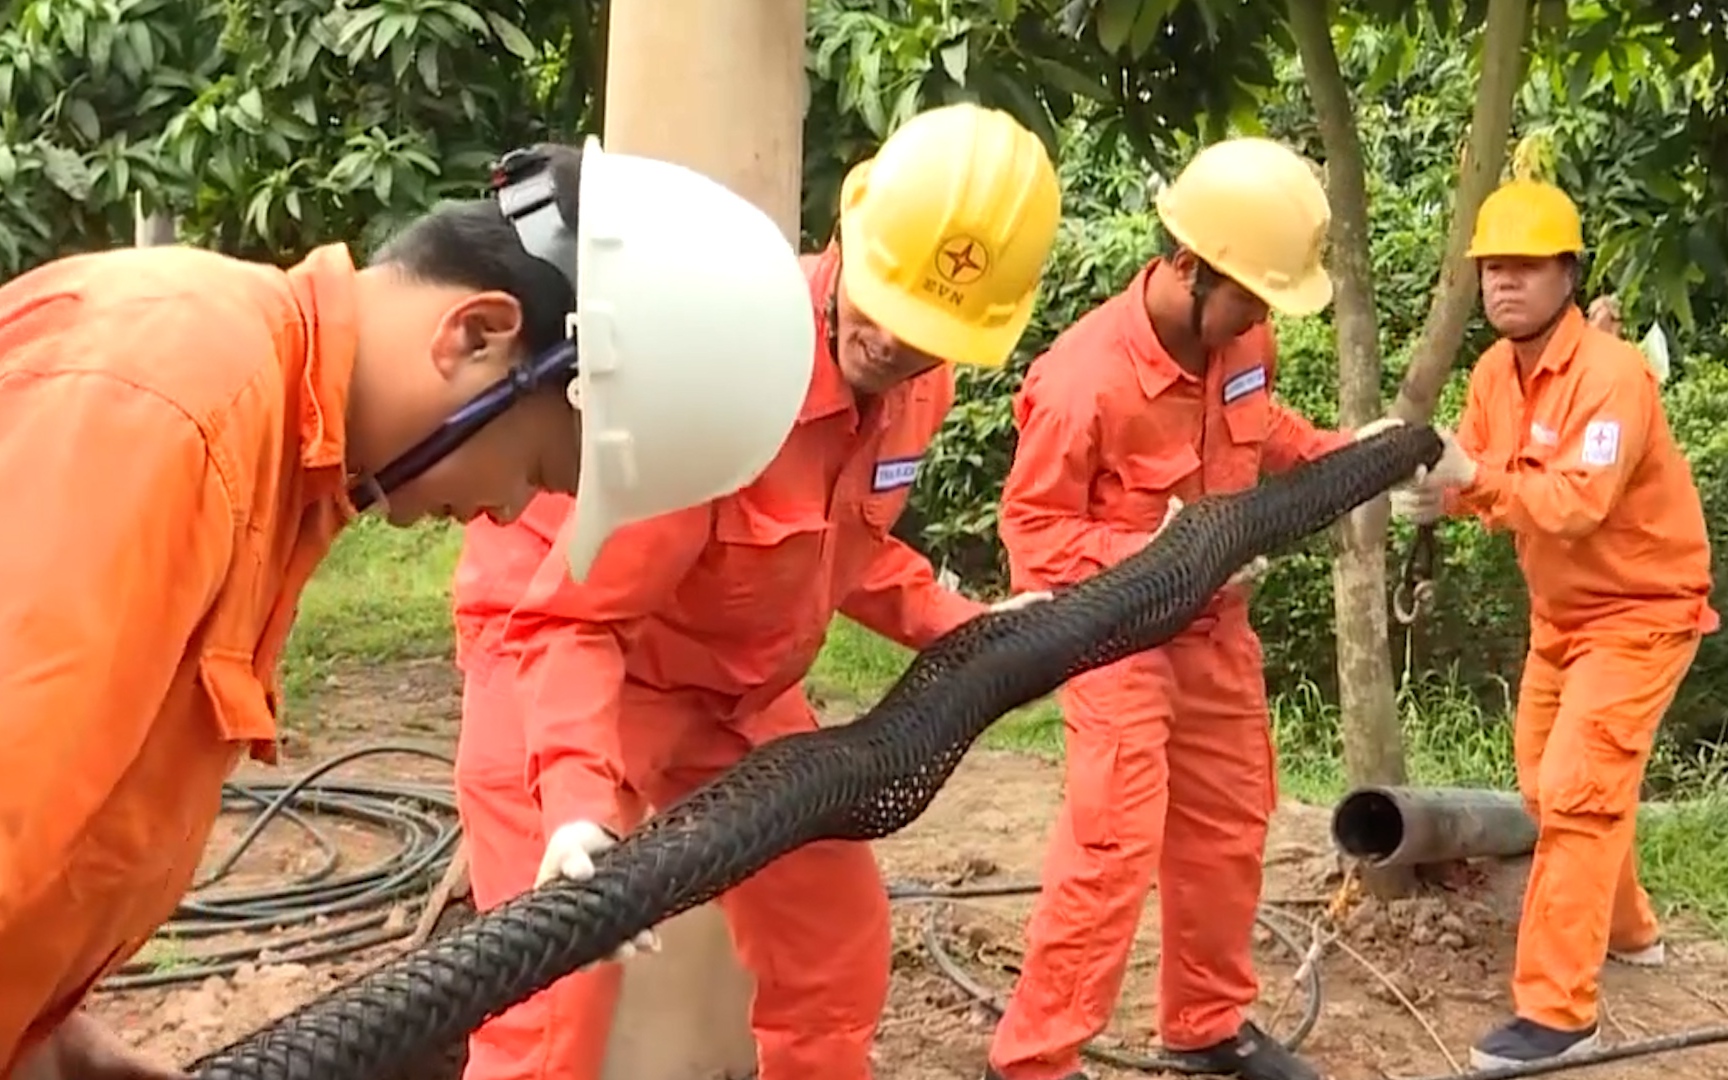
[
  {"x": 1254, "y": 571},
  {"x": 570, "y": 854},
  {"x": 1604, "y": 314},
  {"x": 1020, "y": 600},
  {"x": 1170, "y": 510},
  {"x": 1422, "y": 503},
  {"x": 1375, "y": 427},
  {"x": 1455, "y": 469}
]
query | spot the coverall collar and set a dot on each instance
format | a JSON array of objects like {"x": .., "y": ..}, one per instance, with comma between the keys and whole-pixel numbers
[
  {"x": 1563, "y": 345},
  {"x": 326, "y": 289},
  {"x": 1154, "y": 367},
  {"x": 829, "y": 393}
]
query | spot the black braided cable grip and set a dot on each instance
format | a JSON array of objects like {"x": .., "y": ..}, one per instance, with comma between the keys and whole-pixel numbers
[{"x": 860, "y": 781}]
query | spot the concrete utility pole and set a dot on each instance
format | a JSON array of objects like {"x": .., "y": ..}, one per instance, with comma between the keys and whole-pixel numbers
[{"x": 718, "y": 86}]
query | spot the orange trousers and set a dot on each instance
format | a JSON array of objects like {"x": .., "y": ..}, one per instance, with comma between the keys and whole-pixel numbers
[
  {"x": 1588, "y": 709},
  {"x": 1170, "y": 778},
  {"x": 811, "y": 927}
]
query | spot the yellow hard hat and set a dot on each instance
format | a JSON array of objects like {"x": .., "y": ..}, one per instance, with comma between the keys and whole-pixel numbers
[
  {"x": 944, "y": 233},
  {"x": 1255, "y": 210},
  {"x": 1527, "y": 218}
]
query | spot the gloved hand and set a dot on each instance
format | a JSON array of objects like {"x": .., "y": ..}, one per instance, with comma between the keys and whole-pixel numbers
[
  {"x": 1019, "y": 600},
  {"x": 1421, "y": 503},
  {"x": 1604, "y": 314},
  {"x": 570, "y": 854},
  {"x": 1375, "y": 427},
  {"x": 1171, "y": 508},
  {"x": 1455, "y": 469},
  {"x": 1254, "y": 571}
]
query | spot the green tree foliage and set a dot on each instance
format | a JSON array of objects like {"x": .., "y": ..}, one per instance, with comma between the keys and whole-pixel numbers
[
  {"x": 267, "y": 128},
  {"x": 270, "y": 127}
]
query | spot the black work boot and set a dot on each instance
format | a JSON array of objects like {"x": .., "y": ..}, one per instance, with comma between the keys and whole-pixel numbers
[
  {"x": 1250, "y": 1054},
  {"x": 1524, "y": 1042}
]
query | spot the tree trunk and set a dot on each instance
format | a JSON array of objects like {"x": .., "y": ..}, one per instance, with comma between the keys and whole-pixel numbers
[
  {"x": 1373, "y": 741},
  {"x": 1505, "y": 35}
]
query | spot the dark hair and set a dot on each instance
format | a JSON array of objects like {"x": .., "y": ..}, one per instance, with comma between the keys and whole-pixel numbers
[{"x": 471, "y": 244}]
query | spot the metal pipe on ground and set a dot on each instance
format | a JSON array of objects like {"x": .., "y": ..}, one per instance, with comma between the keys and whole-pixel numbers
[{"x": 1408, "y": 826}]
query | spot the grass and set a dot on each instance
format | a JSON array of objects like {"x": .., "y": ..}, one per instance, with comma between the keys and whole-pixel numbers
[{"x": 384, "y": 595}]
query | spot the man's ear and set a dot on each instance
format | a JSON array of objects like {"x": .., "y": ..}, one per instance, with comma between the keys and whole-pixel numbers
[
  {"x": 480, "y": 328},
  {"x": 1185, "y": 264}
]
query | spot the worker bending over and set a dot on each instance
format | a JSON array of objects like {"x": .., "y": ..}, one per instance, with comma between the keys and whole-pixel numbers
[
  {"x": 1563, "y": 442},
  {"x": 584, "y": 705},
  {"x": 1162, "y": 395},
  {"x": 183, "y": 435}
]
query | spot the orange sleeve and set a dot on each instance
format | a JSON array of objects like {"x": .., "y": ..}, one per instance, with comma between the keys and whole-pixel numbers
[
  {"x": 572, "y": 662},
  {"x": 900, "y": 599},
  {"x": 1472, "y": 433},
  {"x": 1601, "y": 441},
  {"x": 1046, "y": 523},
  {"x": 1293, "y": 439},
  {"x": 122, "y": 535}
]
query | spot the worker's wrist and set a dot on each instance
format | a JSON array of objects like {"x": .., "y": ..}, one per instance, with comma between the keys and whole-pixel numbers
[
  {"x": 577, "y": 791},
  {"x": 1479, "y": 488}
]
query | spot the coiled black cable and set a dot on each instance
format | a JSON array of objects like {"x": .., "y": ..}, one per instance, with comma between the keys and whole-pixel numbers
[{"x": 333, "y": 911}]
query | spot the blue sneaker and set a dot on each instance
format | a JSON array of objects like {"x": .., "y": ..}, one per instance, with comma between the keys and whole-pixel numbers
[{"x": 1524, "y": 1042}]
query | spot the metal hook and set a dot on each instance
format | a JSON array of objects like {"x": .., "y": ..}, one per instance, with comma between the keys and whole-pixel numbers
[{"x": 1414, "y": 596}]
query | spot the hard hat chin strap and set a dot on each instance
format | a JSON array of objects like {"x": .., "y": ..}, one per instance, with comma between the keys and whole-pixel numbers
[
  {"x": 1205, "y": 280},
  {"x": 555, "y": 365}
]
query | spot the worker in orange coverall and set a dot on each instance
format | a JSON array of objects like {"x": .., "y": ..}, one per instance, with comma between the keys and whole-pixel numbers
[
  {"x": 182, "y": 435},
  {"x": 1164, "y": 394},
  {"x": 585, "y": 705},
  {"x": 1564, "y": 443}
]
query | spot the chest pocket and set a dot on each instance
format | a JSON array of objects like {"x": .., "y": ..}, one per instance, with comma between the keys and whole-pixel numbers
[
  {"x": 1247, "y": 423},
  {"x": 768, "y": 560},
  {"x": 1148, "y": 481},
  {"x": 891, "y": 483}
]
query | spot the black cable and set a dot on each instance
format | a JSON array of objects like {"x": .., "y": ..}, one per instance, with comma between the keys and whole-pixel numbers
[
  {"x": 940, "y": 899},
  {"x": 422, "y": 817},
  {"x": 344, "y": 911}
]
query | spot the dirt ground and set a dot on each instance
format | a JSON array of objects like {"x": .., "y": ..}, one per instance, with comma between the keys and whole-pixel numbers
[{"x": 1409, "y": 986}]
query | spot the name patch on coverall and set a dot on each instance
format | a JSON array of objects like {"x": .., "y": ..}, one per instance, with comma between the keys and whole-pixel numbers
[
  {"x": 895, "y": 473},
  {"x": 1244, "y": 383}
]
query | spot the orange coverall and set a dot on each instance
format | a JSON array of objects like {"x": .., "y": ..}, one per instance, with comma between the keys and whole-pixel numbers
[
  {"x": 687, "y": 647},
  {"x": 1170, "y": 770},
  {"x": 171, "y": 440},
  {"x": 1576, "y": 459}
]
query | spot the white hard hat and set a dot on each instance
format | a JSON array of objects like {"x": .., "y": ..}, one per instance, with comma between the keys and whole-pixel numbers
[{"x": 695, "y": 338}]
